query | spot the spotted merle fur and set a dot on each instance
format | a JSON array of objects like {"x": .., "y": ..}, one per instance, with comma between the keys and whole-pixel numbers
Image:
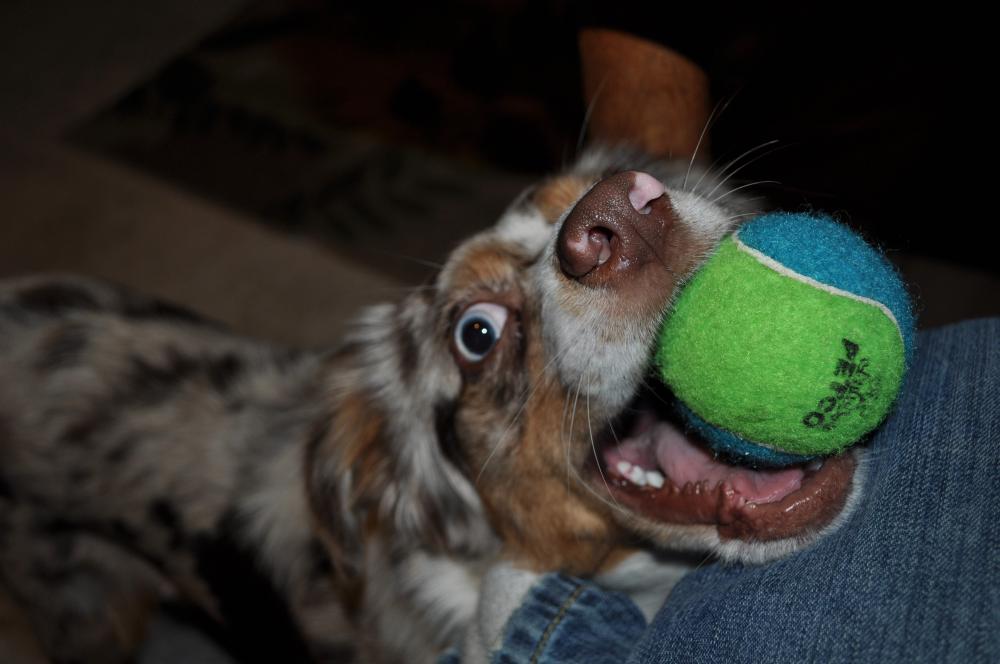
[
  {"x": 55, "y": 299},
  {"x": 64, "y": 348},
  {"x": 310, "y": 505}
]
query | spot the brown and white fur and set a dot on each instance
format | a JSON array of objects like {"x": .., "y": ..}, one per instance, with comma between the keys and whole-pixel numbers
[{"x": 319, "y": 504}]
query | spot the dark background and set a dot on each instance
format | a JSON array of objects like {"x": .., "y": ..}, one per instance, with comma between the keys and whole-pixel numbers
[
  {"x": 387, "y": 133},
  {"x": 877, "y": 118}
]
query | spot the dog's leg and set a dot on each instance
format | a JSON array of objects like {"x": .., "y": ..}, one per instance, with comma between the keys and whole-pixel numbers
[{"x": 86, "y": 599}]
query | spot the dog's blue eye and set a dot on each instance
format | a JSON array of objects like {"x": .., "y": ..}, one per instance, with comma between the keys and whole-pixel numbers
[{"x": 478, "y": 330}]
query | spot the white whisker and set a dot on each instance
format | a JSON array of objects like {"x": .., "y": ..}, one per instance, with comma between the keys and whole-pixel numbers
[
  {"x": 750, "y": 184},
  {"x": 586, "y": 115},
  {"x": 745, "y": 214},
  {"x": 530, "y": 393},
  {"x": 655, "y": 393},
  {"x": 732, "y": 163},
  {"x": 564, "y": 439},
  {"x": 701, "y": 137},
  {"x": 572, "y": 472},
  {"x": 593, "y": 446},
  {"x": 569, "y": 437}
]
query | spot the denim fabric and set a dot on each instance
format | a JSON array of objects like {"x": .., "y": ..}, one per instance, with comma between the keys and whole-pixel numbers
[
  {"x": 914, "y": 576},
  {"x": 566, "y": 620}
]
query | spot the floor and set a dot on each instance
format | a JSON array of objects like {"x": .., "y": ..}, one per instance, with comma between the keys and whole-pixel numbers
[{"x": 67, "y": 209}]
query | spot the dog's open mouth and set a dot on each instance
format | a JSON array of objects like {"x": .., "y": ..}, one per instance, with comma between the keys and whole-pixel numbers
[{"x": 665, "y": 474}]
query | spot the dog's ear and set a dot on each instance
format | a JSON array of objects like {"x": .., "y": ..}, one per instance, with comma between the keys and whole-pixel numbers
[
  {"x": 345, "y": 465},
  {"x": 643, "y": 94},
  {"x": 385, "y": 461}
]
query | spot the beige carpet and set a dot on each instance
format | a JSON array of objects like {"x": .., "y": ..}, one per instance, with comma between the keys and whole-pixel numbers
[{"x": 67, "y": 211}]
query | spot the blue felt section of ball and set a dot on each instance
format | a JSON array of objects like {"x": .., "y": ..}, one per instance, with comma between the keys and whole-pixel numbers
[
  {"x": 817, "y": 247},
  {"x": 730, "y": 445}
]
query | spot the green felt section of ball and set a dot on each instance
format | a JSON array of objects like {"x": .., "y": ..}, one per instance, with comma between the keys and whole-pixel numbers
[{"x": 777, "y": 360}]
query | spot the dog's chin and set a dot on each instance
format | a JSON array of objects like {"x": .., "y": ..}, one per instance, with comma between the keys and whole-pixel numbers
[{"x": 666, "y": 484}]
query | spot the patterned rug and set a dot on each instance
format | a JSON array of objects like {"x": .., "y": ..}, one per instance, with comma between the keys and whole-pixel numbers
[{"x": 306, "y": 118}]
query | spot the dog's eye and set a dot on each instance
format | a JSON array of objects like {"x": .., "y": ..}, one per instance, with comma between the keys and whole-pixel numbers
[{"x": 478, "y": 330}]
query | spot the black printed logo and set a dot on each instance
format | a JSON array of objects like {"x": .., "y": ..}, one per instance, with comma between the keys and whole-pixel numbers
[{"x": 854, "y": 388}]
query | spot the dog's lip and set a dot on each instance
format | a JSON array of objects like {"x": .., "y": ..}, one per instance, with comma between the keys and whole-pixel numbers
[{"x": 742, "y": 503}]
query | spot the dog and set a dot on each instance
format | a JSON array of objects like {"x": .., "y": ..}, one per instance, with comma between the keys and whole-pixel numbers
[{"x": 346, "y": 503}]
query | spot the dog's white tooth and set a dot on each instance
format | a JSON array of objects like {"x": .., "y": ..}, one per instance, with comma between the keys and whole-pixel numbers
[
  {"x": 624, "y": 467},
  {"x": 815, "y": 464},
  {"x": 637, "y": 476},
  {"x": 655, "y": 479}
]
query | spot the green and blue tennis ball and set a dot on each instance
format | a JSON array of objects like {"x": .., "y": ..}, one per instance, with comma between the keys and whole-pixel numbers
[{"x": 790, "y": 343}]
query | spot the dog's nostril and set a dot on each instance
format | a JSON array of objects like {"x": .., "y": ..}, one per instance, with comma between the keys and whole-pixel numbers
[
  {"x": 614, "y": 229},
  {"x": 586, "y": 250},
  {"x": 644, "y": 190},
  {"x": 601, "y": 238}
]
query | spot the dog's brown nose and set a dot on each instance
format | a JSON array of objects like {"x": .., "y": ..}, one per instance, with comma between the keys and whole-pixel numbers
[{"x": 618, "y": 226}]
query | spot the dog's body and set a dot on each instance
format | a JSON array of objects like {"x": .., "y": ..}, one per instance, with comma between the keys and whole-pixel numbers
[
  {"x": 141, "y": 446},
  {"x": 351, "y": 499}
]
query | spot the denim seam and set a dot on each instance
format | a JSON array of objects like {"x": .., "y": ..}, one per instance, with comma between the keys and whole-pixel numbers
[{"x": 547, "y": 634}]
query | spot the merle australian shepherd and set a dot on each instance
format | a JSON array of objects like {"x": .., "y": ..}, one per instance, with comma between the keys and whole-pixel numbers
[{"x": 319, "y": 505}]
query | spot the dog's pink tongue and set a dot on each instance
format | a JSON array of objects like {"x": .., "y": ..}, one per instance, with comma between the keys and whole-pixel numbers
[{"x": 685, "y": 462}]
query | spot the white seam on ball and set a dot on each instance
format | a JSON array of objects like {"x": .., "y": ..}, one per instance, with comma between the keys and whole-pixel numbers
[{"x": 782, "y": 269}]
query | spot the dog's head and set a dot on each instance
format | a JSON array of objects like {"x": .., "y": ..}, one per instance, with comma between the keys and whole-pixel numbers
[{"x": 517, "y": 390}]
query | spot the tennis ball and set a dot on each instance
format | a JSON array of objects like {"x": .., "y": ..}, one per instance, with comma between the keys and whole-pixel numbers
[{"x": 791, "y": 342}]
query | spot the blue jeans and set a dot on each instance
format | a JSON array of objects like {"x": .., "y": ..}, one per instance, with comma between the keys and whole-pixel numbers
[{"x": 914, "y": 576}]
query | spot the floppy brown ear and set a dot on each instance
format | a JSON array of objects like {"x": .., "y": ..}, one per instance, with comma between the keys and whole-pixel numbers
[
  {"x": 345, "y": 466},
  {"x": 643, "y": 94},
  {"x": 380, "y": 462}
]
